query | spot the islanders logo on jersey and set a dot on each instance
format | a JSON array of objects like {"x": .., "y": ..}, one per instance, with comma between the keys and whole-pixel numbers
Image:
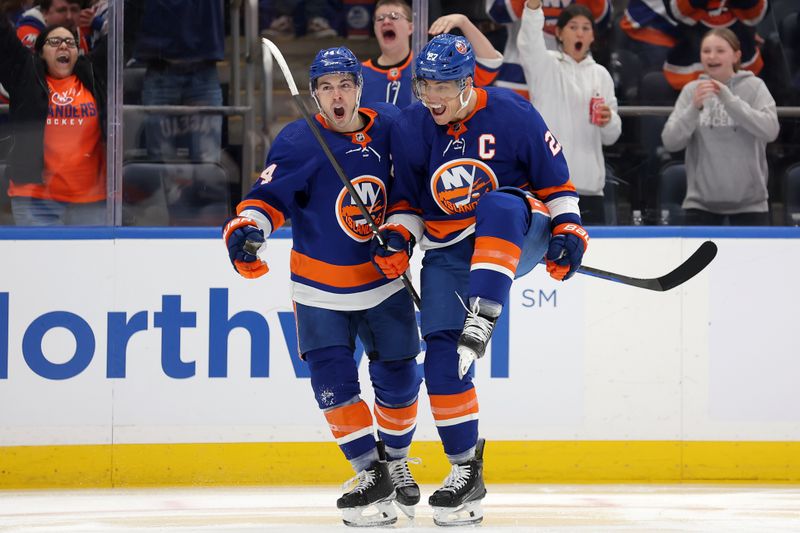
[
  {"x": 457, "y": 185},
  {"x": 372, "y": 192},
  {"x": 64, "y": 97}
]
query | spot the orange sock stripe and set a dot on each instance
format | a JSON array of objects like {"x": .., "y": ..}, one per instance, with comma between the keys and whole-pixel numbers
[
  {"x": 349, "y": 419},
  {"x": 396, "y": 418},
  {"x": 497, "y": 251},
  {"x": 448, "y": 406}
]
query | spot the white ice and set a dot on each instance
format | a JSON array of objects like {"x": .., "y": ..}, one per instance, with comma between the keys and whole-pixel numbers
[{"x": 540, "y": 508}]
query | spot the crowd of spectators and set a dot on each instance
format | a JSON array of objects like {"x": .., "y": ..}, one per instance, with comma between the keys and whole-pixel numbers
[{"x": 650, "y": 50}]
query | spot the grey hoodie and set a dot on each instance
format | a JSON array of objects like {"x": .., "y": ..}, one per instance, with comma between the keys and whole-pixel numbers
[{"x": 726, "y": 161}]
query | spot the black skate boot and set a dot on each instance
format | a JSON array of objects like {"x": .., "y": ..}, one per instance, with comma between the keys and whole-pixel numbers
[
  {"x": 458, "y": 502},
  {"x": 404, "y": 485},
  {"x": 374, "y": 489},
  {"x": 478, "y": 327}
]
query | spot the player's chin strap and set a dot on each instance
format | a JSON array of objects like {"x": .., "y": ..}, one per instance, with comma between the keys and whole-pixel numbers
[{"x": 464, "y": 103}]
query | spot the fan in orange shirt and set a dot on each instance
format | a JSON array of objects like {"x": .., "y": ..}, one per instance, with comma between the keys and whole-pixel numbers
[{"x": 57, "y": 164}]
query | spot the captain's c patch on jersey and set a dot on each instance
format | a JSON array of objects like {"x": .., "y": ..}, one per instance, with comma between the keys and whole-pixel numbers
[
  {"x": 457, "y": 185},
  {"x": 372, "y": 192}
]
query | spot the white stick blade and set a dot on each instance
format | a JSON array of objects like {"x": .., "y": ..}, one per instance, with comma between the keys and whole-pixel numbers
[{"x": 269, "y": 46}]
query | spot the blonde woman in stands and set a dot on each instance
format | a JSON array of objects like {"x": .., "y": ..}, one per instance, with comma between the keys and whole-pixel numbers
[{"x": 724, "y": 120}]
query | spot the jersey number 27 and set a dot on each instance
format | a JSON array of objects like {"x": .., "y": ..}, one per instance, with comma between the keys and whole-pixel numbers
[{"x": 552, "y": 143}]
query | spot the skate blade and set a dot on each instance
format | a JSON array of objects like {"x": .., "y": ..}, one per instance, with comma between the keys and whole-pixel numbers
[
  {"x": 465, "y": 359},
  {"x": 377, "y": 514},
  {"x": 469, "y": 513},
  {"x": 408, "y": 510}
]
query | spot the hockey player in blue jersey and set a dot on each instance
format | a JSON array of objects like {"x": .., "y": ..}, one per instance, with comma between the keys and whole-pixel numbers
[
  {"x": 387, "y": 77},
  {"x": 337, "y": 292},
  {"x": 482, "y": 185}
]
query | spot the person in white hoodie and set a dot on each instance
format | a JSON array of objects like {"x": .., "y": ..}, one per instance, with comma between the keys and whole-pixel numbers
[
  {"x": 724, "y": 120},
  {"x": 575, "y": 96}
]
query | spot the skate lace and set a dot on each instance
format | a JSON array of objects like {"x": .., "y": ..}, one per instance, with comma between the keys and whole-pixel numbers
[
  {"x": 364, "y": 479},
  {"x": 475, "y": 325},
  {"x": 399, "y": 472},
  {"x": 457, "y": 478}
]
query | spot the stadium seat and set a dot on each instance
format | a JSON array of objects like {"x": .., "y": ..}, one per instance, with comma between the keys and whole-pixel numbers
[
  {"x": 655, "y": 90},
  {"x": 788, "y": 28},
  {"x": 612, "y": 196},
  {"x": 133, "y": 140},
  {"x": 671, "y": 192},
  {"x": 791, "y": 195},
  {"x": 132, "y": 84},
  {"x": 626, "y": 71},
  {"x": 175, "y": 194}
]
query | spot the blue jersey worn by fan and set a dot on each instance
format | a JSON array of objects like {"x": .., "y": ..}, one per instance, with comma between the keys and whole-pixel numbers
[
  {"x": 337, "y": 293},
  {"x": 387, "y": 77},
  {"x": 392, "y": 83},
  {"x": 482, "y": 184}
]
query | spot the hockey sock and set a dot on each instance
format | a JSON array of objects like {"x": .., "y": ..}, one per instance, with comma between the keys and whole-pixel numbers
[
  {"x": 454, "y": 401},
  {"x": 396, "y": 385},
  {"x": 396, "y": 427},
  {"x": 351, "y": 426}
]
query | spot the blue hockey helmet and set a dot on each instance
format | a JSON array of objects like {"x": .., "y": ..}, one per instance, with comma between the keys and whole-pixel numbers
[
  {"x": 337, "y": 60},
  {"x": 445, "y": 57}
]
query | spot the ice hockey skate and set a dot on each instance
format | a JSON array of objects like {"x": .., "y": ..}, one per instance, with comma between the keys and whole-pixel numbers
[
  {"x": 458, "y": 501},
  {"x": 406, "y": 489},
  {"x": 472, "y": 342},
  {"x": 369, "y": 503}
]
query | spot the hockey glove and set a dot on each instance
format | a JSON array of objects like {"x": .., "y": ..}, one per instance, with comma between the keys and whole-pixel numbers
[
  {"x": 392, "y": 260},
  {"x": 243, "y": 238},
  {"x": 565, "y": 252}
]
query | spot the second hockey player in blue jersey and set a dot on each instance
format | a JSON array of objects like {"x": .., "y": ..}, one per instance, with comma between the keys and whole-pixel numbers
[
  {"x": 482, "y": 185},
  {"x": 337, "y": 292}
]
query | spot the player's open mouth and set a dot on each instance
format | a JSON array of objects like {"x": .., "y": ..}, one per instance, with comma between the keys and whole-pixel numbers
[
  {"x": 338, "y": 111},
  {"x": 438, "y": 109}
]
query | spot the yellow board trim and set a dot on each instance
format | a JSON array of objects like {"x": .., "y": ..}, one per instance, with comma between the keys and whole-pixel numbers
[{"x": 298, "y": 463}]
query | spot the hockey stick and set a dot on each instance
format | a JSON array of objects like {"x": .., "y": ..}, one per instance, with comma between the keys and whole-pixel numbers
[
  {"x": 684, "y": 272},
  {"x": 268, "y": 46}
]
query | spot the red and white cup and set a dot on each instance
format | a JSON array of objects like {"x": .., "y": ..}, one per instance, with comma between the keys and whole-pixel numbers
[{"x": 594, "y": 109}]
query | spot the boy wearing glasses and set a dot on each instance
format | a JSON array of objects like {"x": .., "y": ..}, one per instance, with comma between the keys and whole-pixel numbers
[
  {"x": 387, "y": 78},
  {"x": 337, "y": 293}
]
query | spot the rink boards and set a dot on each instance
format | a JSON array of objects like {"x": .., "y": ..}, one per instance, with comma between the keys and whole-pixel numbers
[{"x": 139, "y": 357}]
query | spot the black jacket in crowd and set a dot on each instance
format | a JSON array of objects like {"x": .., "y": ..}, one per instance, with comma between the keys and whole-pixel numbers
[{"x": 22, "y": 73}]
